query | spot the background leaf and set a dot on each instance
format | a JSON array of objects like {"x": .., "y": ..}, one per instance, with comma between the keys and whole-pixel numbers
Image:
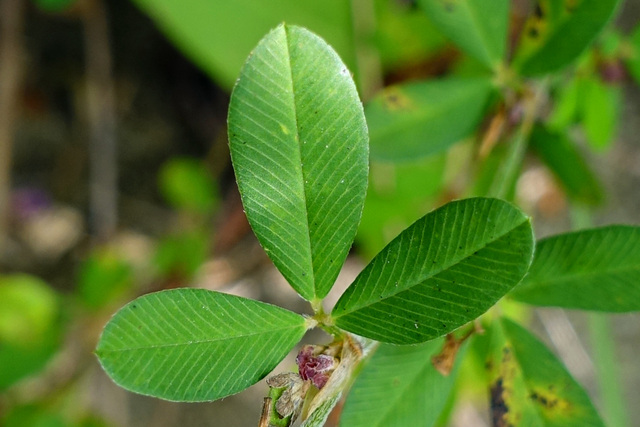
[
  {"x": 559, "y": 32},
  {"x": 420, "y": 119},
  {"x": 597, "y": 269},
  {"x": 567, "y": 164},
  {"x": 187, "y": 184},
  {"x": 399, "y": 387},
  {"x": 221, "y": 48},
  {"x": 446, "y": 269},
  {"x": 633, "y": 61},
  {"x": 601, "y": 106},
  {"x": 195, "y": 345},
  {"x": 298, "y": 141},
  {"x": 479, "y": 28},
  {"x": 527, "y": 382},
  {"x": 30, "y": 327}
]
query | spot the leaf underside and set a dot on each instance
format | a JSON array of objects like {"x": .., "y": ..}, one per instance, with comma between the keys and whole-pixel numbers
[
  {"x": 446, "y": 269},
  {"x": 596, "y": 269},
  {"x": 528, "y": 383},
  {"x": 299, "y": 146},
  {"x": 195, "y": 345}
]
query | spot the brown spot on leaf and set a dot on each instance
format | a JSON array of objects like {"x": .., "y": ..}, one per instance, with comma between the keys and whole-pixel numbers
[
  {"x": 499, "y": 407},
  {"x": 394, "y": 99}
]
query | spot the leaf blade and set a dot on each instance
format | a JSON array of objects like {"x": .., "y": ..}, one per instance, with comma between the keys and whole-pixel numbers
[
  {"x": 558, "y": 33},
  {"x": 298, "y": 142},
  {"x": 421, "y": 119},
  {"x": 479, "y": 28},
  {"x": 446, "y": 269},
  {"x": 399, "y": 387},
  {"x": 178, "y": 344},
  {"x": 529, "y": 383},
  {"x": 596, "y": 269}
]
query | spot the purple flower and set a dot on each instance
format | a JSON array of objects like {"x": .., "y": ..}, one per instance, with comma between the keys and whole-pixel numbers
[{"x": 316, "y": 368}]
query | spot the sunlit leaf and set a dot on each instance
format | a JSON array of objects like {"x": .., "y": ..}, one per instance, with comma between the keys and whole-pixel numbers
[
  {"x": 298, "y": 141},
  {"x": 218, "y": 35},
  {"x": 559, "y": 31},
  {"x": 446, "y": 269},
  {"x": 478, "y": 27},
  {"x": 596, "y": 269},
  {"x": 567, "y": 164},
  {"x": 399, "y": 387},
  {"x": 416, "y": 120},
  {"x": 527, "y": 382},
  {"x": 195, "y": 345}
]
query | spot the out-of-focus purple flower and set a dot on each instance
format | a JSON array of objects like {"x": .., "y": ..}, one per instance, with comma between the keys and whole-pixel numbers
[
  {"x": 316, "y": 368},
  {"x": 26, "y": 202},
  {"x": 612, "y": 71}
]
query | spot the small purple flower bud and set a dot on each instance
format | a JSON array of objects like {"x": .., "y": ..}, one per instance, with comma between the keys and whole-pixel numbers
[{"x": 316, "y": 368}]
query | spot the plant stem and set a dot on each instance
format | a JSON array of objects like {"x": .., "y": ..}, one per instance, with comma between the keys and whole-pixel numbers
[
  {"x": 607, "y": 374},
  {"x": 11, "y": 66},
  {"x": 509, "y": 171}
]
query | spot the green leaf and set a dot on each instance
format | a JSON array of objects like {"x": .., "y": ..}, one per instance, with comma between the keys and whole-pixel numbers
[
  {"x": 566, "y": 104},
  {"x": 529, "y": 383},
  {"x": 559, "y": 32},
  {"x": 601, "y": 105},
  {"x": 187, "y": 184},
  {"x": 446, "y": 269},
  {"x": 104, "y": 276},
  {"x": 596, "y": 269},
  {"x": 399, "y": 387},
  {"x": 298, "y": 140},
  {"x": 195, "y": 345},
  {"x": 54, "y": 5},
  {"x": 420, "y": 119},
  {"x": 567, "y": 164},
  {"x": 477, "y": 27},
  {"x": 393, "y": 203},
  {"x": 180, "y": 256},
  {"x": 30, "y": 327},
  {"x": 218, "y": 35}
]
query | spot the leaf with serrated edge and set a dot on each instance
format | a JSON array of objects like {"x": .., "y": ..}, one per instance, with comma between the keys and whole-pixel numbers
[
  {"x": 194, "y": 345},
  {"x": 527, "y": 382},
  {"x": 477, "y": 27},
  {"x": 399, "y": 387},
  {"x": 415, "y": 120},
  {"x": 446, "y": 269},
  {"x": 595, "y": 269},
  {"x": 299, "y": 146}
]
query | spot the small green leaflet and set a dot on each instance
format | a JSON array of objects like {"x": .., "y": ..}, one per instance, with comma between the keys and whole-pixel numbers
[
  {"x": 477, "y": 27},
  {"x": 416, "y": 120},
  {"x": 195, "y": 345},
  {"x": 299, "y": 145},
  {"x": 596, "y": 269},
  {"x": 446, "y": 269},
  {"x": 527, "y": 382}
]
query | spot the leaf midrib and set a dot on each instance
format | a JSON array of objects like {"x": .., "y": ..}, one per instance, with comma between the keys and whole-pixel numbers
[
  {"x": 196, "y": 342},
  {"x": 307, "y": 232},
  {"x": 435, "y": 273}
]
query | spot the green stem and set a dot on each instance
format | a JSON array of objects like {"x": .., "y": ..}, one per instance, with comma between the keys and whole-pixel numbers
[
  {"x": 509, "y": 171},
  {"x": 606, "y": 364}
]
